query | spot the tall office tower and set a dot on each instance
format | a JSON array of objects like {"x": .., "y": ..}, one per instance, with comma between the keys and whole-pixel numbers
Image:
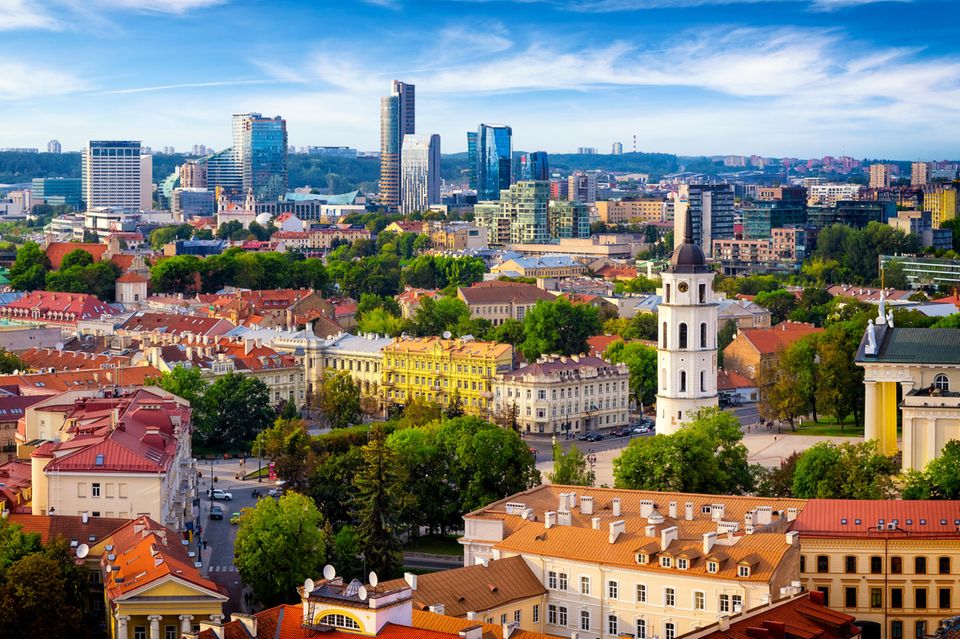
[
  {"x": 617, "y": 148},
  {"x": 472, "y": 158},
  {"x": 419, "y": 172},
  {"x": 879, "y": 176},
  {"x": 534, "y": 166},
  {"x": 494, "y": 158},
  {"x": 559, "y": 189},
  {"x": 114, "y": 175},
  {"x": 397, "y": 119},
  {"x": 193, "y": 175},
  {"x": 260, "y": 149},
  {"x": 224, "y": 172},
  {"x": 53, "y": 146},
  {"x": 582, "y": 187},
  {"x": 919, "y": 173},
  {"x": 710, "y": 207}
]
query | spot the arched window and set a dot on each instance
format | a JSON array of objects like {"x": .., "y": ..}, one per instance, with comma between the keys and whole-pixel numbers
[
  {"x": 703, "y": 293},
  {"x": 665, "y": 335},
  {"x": 683, "y": 381},
  {"x": 339, "y": 621},
  {"x": 683, "y": 335},
  {"x": 941, "y": 382},
  {"x": 667, "y": 291},
  {"x": 703, "y": 334},
  {"x": 703, "y": 382}
]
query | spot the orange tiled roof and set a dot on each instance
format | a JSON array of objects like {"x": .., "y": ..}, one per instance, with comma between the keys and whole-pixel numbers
[
  {"x": 426, "y": 345},
  {"x": 70, "y": 527},
  {"x": 774, "y": 339},
  {"x": 132, "y": 278},
  {"x": 803, "y": 616},
  {"x": 861, "y": 518},
  {"x": 732, "y": 380},
  {"x": 50, "y": 306},
  {"x": 33, "y": 383},
  {"x": 451, "y": 626},
  {"x": 477, "y": 588},
  {"x": 40, "y": 358},
  {"x": 56, "y": 251},
  {"x": 600, "y": 343}
]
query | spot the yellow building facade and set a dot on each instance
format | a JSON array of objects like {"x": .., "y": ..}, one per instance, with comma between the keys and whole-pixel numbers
[
  {"x": 941, "y": 202},
  {"x": 435, "y": 369}
]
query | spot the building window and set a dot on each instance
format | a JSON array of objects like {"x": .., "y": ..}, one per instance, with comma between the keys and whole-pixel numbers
[
  {"x": 703, "y": 382},
  {"x": 667, "y": 291},
  {"x": 683, "y": 381},
  {"x": 585, "y": 585},
  {"x": 670, "y": 597},
  {"x": 665, "y": 335},
  {"x": 683, "y": 335},
  {"x": 503, "y": 619},
  {"x": 920, "y": 598},
  {"x": 944, "y": 565},
  {"x": 803, "y": 564},
  {"x": 703, "y": 294},
  {"x": 703, "y": 334},
  {"x": 876, "y": 565},
  {"x": 737, "y": 601},
  {"x": 876, "y": 598},
  {"x": 641, "y": 629},
  {"x": 612, "y": 625},
  {"x": 95, "y": 490},
  {"x": 669, "y": 631},
  {"x": 941, "y": 383},
  {"x": 563, "y": 616},
  {"x": 699, "y": 600},
  {"x": 613, "y": 588},
  {"x": 712, "y": 567},
  {"x": 920, "y": 565},
  {"x": 850, "y": 597},
  {"x": 584, "y": 620},
  {"x": 339, "y": 621},
  {"x": 724, "y": 603},
  {"x": 666, "y": 562},
  {"x": 921, "y": 629},
  {"x": 896, "y": 630},
  {"x": 896, "y": 565},
  {"x": 563, "y": 581},
  {"x": 552, "y": 580},
  {"x": 552, "y": 615},
  {"x": 823, "y": 563},
  {"x": 849, "y": 564},
  {"x": 641, "y": 593},
  {"x": 743, "y": 571},
  {"x": 896, "y": 597},
  {"x": 140, "y": 632},
  {"x": 944, "y": 598},
  {"x": 517, "y": 616},
  {"x": 170, "y": 632},
  {"x": 536, "y": 613}
]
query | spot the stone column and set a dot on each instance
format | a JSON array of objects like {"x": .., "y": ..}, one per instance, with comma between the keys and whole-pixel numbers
[
  {"x": 154, "y": 626},
  {"x": 122, "y": 626},
  {"x": 888, "y": 438},
  {"x": 186, "y": 623},
  {"x": 911, "y": 428},
  {"x": 871, "y": 416}
]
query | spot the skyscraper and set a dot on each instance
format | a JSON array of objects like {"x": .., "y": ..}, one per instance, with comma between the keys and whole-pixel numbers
[
  {"x": 260, "y": 150},
  {"x": 534, "y": 166},
  {"x": 879, "y": 176},
  {"x": 419, "y": 172},
  {"x": 582, "y": 187},
  {"x": 114, "y": 174},
  {"x": 710, "y": 207},
  {"x": 919, "y": 173},
  {"x": 472, "y": 158},
  {"x": 494, "y": 157},
  {"x": 397, "y": 119},
  {"x": 53, "y": 146},
  {"x": 617, "y": 148}
]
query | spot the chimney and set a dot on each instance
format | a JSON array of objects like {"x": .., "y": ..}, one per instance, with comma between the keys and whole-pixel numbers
[
  {"x": 615, "y": 505},
  {"x": 411, "y": 580},
  {"x": 214, "y": 626},
  {"x": 650, "y": 531},
  {"x": 571, "y": 501},
  {"x": 471, "y": 632},
  {"x": 646, "y": 507},
  {"x": 564, "y": 505},
  {"x": 791, "y": 537},
  {"x": 764, "y": 515},
  {"x": 668, "y": 535},
  {"x": 586, "y": 505},
  {"x": 563, "y": 518},
  {"x": 436, "y": 608},
  {"x": 247, "y": 345},
  {"x": 717, "y": 511},
  {"x": 471, "y": 615},
  {"x": 688, "y": 511},
  {"x": 709, "y": 539},
  {"x": 508, "y": 629},
  {"x": 249, "y": 622},
  {"x": 791, "y": 514},
  {"x": 549, "y": 519},
  {"x": 596, "y": 523},
  {"x": 777, "y": 629},
  {"x": 673, "y": 510},
  {"x": 724, "y": 624},
  {"x": 816, "y": 597},
  {"x": 85, "y": 516},
  {"x": 616, "y": 529}
]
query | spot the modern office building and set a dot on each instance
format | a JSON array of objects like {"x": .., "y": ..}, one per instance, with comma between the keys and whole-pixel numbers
[
  {"x": 941, "y": 202},
  {"x": 919, "y": 173},
  {"x": 419, "y": 172},
  {"x": 830, "y": 194},
  {"x": 525, "y": 214},
  {"x": 472, "y": 158},
  {"x": 879, "y": 176},
  {"x": 582, "y": 187},
  {"x": 260, "y": 148},
  {"x": 855, "y": 213},
  {"x": 193, "y": 203},
  {"x": 56, "y": 191},
  {"x": 397, "y": 119},
  {"x": 711, "y": 213},
  {"x": 53, "y": 146},
  {"x": 224, "y": 172},
  {"x": 760, "y": 218},
  {"x": 116, "y": 173},
  {"x": 493, "y": 159},
  {"x": 533, "y": 166},
  {"x": 617, "y": 148}
]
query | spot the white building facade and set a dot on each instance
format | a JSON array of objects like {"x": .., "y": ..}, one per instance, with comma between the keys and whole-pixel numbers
[
  {"x": 419, "y": 172},
  {"x": 117, "y": 174}
]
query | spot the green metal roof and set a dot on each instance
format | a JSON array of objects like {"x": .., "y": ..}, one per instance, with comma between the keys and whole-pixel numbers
[{"x": 920, "y": 346}]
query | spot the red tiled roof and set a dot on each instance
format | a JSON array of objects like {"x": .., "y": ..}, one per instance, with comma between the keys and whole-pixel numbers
[
  {"x": 774, "y": 339},
  {"x": 132, "y": 278},
  {"x": 861, "y": 518},
  {"x": 600, "y": 343},
  {"x": 803, "y": 617},
  {"x": 172, "y": 323},
  {"x": 44, "y": 383},
  {"x": 498, "y": 292},
  {"x": 56, "y": 251},
  {"x": 732, "y": 380},
  {"x": 123, "y": 261},
  {"x": 15, "y": 478},
  {"x": 41, "y": 358},
  {"x": 70, "y": 527},
  {"x": 65, "y": 308}
]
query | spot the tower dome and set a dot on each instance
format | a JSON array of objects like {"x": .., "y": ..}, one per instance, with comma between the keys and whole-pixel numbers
[{"x": 688, "y": 257}]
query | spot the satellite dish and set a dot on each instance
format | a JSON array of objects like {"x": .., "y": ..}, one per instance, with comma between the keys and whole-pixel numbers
[
  {"x": 308, "y": 585},
  {"x": 59, "y": 346},
  {"x": 362, "y": 593},
  {"x": 329, "y": 572},
  {"x": 447, "y": 335},
  {"x": 109, "y": 568},
  {"x": 373, "y": 579},
  {"x": 82, "y": 551}
]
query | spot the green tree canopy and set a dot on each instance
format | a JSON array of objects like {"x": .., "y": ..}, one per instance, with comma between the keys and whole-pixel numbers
[
  {"x": 940, "y": 479},
  {"x": 558, "y": 327},
  {"x": 379, "y": 500},
  {"x": 237, "y": 407},
  {"x": 29, "y": 270},
  {"x": 338, "y": 399},
  {"x": 570, "y": 468},
  {"x": 641, "y": 361},
  {"x": 844, "y": 471}
]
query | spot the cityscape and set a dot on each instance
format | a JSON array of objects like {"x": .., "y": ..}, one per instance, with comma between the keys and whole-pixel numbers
[{"x": 640, "y": 319}]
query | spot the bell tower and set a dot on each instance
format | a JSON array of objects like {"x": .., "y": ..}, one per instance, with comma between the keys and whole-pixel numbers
[{"x": 687, "y": 344}]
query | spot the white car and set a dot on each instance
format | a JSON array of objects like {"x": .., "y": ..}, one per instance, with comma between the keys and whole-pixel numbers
[{"x": 222, "y": 495}]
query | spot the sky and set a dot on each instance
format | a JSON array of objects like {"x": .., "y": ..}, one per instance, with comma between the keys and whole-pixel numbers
[{"x": 796, "y": 78}]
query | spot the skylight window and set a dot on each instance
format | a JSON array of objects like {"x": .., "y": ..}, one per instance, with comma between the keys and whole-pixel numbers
[{"x": 99, "y": 460}]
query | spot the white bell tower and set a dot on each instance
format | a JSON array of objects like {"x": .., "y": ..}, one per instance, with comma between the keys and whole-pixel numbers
[{"x": 687, "y": 345}]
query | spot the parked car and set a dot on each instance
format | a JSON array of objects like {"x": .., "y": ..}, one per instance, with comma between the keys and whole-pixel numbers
[
  {"x": 643, "y": 428},
  {"x": 216, "y": 512},
  {"x": 590, "y": 436},
  {"x": 221, "y": 495},
  {"x": 620, "y": 432}
]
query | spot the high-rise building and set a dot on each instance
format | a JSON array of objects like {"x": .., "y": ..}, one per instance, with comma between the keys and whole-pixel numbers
[
  {"x": 534, "y": 166},
  {"x": 879, "y": 176},
  {"x": 397, "y": 119},
  {"x": 224, "y": 172},
  {"x": 116, "y": 174},
  {"x": 710, "y": 207},
  {"x": 472, "y": 158},
  {"x": 53, "y": 146},
  {"x": 617, "y": 148},
  {"x": 419, "y": 172},
  {"x": 587, "y": 150},
  {"x": 919, "y": 173},
  {"x": 525, "y": 214},
  {"x": 568, "y": 219},
  {"x": 193, "y": 175},
  {"x": 260, "y": 149},
  {"x": 582, "y": 187},
  {"x": 56, "y": 191},
  {"x": 494, "y": 156}
]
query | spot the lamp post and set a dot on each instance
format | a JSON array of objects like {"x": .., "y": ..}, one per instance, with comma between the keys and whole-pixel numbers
[{"x": 259, "y": 460}]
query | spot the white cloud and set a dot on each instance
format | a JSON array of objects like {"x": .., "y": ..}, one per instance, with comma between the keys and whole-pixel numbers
[
  {"x": 156, "y": 6},
  {"x": 187, "y": 85},
  {"x": 20, "y": 80},
  {"x": 16, "y": 14}
]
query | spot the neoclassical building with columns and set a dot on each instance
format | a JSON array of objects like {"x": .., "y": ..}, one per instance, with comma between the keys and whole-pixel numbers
[{"x": 916, "y": 372}]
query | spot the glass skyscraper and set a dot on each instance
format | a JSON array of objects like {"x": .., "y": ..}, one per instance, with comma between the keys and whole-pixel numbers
[
  {"x": 420, "y": 173},
  {"x": 472, "y": 158},
  {"x": 534, "y": 166},
  {"x": 260, "y": 148},
  {"x": 397, "y": 119},
  {"x": 494, "y": 159}
]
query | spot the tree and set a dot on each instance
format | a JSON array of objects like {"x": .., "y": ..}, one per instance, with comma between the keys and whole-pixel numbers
[
  {"x": 724, "y": 337},
  {"x": 509, "y": 332},
  {"x": 778, "y": 482},
  {"x": 436, "y": 315},
  {"x": 454, "y": 407},
  {"x": 844, "y": 471},
  {"x": 338, "y": 398},
  {"x": 420, "y": 412},
  {"x": 287, "y": 444},
  {"x": 840, "y": 380},
  {"x": 94, "y": 278},
  {"x": 558, "y": 327},
  {"x": 15, "y": 545},
  {"x": 77, "y": 257},
  {"x": 29, "y": 270},
  {"x": 641, "y": 361},
  {"x": 180, "y": 274},
  {"x": 381, "y": 322},
  {"x": 570, "y": 468},
  {"x": 379, "y": 499},
  {"x": 705, "y": 456},
  {"x": 189, "y": 384},
  {"x": 639, "y": 284},
  {"x": 780, "y": 303},
  {"x": 237, "y": 408},
  {"x": 789, "y": 387},
  {"x": 279, "y": 544},
  {"x": 433, "y": 501},
  {"x": 940, "y": 479},
  {"x": 10, "y": 362},
  {"x": 369, "y": 302}
]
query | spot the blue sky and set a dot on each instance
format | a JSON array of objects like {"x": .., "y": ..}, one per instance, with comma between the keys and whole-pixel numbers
[{"x": 775, "y": 77}]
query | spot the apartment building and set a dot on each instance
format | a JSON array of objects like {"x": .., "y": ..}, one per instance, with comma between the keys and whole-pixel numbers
[
  {"x": 894, "y": 565},
  {"x": 498, "y": 301},
  {"x": 437, "y": 369},
  {"x": 559, "y": 394},
  {"x": 830, "y": 194},
  {"x": 647, "y": 564},
  {"x": 318, "y": 240},
  {"x": 941, "y": 202},
  {"x": 458, "y": 236},
  {"x": 631, "y": 211}
]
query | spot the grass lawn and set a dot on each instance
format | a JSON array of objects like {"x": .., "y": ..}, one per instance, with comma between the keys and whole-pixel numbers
[
  {"x": 436, "y": 545},
  {"x": 827, "y": 427}
]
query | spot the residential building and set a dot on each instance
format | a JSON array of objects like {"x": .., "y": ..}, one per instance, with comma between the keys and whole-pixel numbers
[
  {"x": 149, "y": 322},
  {"x": 892, "y": 564},
  {"x": 753, "y": 352},
  {"x": 560, "y": 395},
  {"x": 687, "y": 345},
  {"x": 498, "y": 301},
  {"x": 617, "y": 148},
  {"x": 559, "y": 189},
  {"x": 458, "y": 236},
  {"x": 795, "y": 194},
  {"x": 493, "y": 159},
  {"x": 920, "y": 224},
  {"x": 122, "y": 455},
  {"x": 744, "y": 313},
  {"x": 764, "y": 216},
  {"x": 419, "y": 173},
  {"x": 879, "y": 176},
  {"x": 318, "y": 240},
  {"x": 410, "y": 299},
  {"x": 734, "y": 385},
  {"x": 533, "y": 166},
  {"x": 520, "y": 215},
  {"x": 941, "y": 202},
  {"x": 360, "y": 356},
  {"x": 647, "y": 564},
  {"x": 782, "y": 252},
  {"x": 57, "y": 191},
  {"x": 582, "y": 187},
  {"x": 438, "y": 370},
  {"x": 260, "y": 147},
  {"x": 397, "y": 119},
  {"x": 497, "y": 592},
  {"x": 920, "y": 173},
  {"x": 54, "y": 146},
  {"x": 830, "y": 194},
  {"x": 117, "y": 174},
  {"x": 88, "y": 380},
  {"x": 631, "y": 210},
  {"x": 568, "y": 219},
  {"x": 56, "y": 309},
  {"x": 544, "y": 266},
  {"x": 193, "y": 175},
  {"x": 710, "y": 207}
]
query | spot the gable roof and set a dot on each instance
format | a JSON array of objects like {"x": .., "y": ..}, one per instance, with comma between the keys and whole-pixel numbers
[
  {"x": 801, "y": 617},
  {"x": 171, "y": 323},
  {"x": 772, "y": 340},
  {"x": 40, "y": 358},
  {"x": 70, "y": 527},
  {"x": 497, "y": 292},
  {"x": 452, "y": 626},
  {"x": 66, "y": 307},
  {"x": 732, "y": 380},
  {"x": 862, "y": 517},
  {"x": 477, "y": 588},
  {"x": 914, "y": 345},
  {"x": 44, "y": 383},
  {"x": 56, "y": 251}
]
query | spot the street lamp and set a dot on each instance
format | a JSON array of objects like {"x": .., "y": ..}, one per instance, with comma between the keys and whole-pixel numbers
[{"x": 259, "y": 460}]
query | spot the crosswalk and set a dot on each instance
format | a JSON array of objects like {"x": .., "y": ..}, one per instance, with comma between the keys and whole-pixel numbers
[{"x": 230, "y": 568}]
